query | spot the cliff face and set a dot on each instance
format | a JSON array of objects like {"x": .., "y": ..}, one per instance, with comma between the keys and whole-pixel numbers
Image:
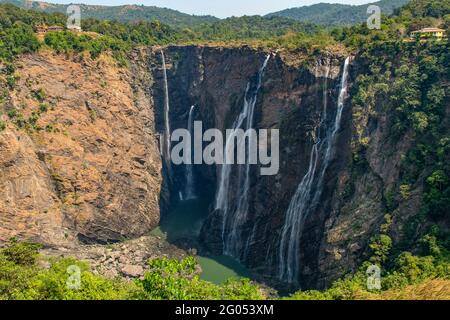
[
  {"x": 291, "y": 99},
  {"x": 353, "y": 200},
  {"x": 81, "y": 161}
]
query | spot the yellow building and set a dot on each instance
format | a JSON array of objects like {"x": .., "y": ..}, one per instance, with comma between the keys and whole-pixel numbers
[{"x": 437, "y": 33}]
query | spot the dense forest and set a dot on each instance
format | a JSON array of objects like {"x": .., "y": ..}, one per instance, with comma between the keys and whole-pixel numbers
[
  {"x": 126, "y": 13},
  {"x": 337, "y": 14},
  {"x": 413, "y": 74},
  {"x": 18, "y": 31}
]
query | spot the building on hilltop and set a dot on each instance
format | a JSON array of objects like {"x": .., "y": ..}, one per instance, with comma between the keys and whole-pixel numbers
[{"x": 427, "y": 33}]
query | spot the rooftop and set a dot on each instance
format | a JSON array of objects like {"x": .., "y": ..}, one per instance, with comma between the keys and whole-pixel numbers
[{"x": 430, "y": 30}]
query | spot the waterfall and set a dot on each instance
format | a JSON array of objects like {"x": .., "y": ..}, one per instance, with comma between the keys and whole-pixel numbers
[
  {"x": 309, "y": 190},
  {"x": 233, "y": 220},
  {"x": 336, "y": 127},
  {"x": 190, "y": 183},
  {"x": 166, "y": 151}
]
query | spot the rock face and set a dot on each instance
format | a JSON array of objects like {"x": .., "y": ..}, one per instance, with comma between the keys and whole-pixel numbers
[
  {"x": 85, "y": 165},
  {"x": 29, "y": 204},
  {"x": 291, "y": 100},
  {"x": 294, "y": 89}
]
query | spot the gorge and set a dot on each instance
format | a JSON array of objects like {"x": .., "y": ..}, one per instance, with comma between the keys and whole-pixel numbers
[
  {"x": 290, "y": 230},
  {"x": 302, "y": 228}
]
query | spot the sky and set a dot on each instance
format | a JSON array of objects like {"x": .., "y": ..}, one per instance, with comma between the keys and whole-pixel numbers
[{"x": 218, "y": 8}]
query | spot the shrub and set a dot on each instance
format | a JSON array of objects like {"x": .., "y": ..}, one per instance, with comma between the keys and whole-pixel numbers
[
  {"x": 173, "y": 279},
  {"x": 43, "y": 108},
  {"x": 39, "y": 94},
  {"x": 21, "y": 253},
  {"x": 22, "y": 278},
  {"x": 12, "y": 113},
  {"x": 381, "y": 245},
  {"x": 405, "y": 191},
  {"x": 52, "y": 284}
]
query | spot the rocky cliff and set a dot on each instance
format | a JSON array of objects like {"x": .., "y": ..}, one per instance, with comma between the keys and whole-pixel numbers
[
  {"x": 79, "y": 159},
  {"x": 354, "y": 196},
  {"x": 291, "y": 100}
]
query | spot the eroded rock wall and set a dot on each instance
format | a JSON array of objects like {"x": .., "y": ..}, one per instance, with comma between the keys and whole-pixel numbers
[
  {"x": 295, "y": 87},
  {"x": 291, "y": 99},
  {"x": 87, "y": 167}
]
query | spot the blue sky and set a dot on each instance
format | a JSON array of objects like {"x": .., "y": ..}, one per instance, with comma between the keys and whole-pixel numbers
[{"x": 218, "y": 8}]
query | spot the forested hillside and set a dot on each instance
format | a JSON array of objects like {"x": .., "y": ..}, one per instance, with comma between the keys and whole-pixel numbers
[
  {"x": 322, "y": 14},
  {"x": 126, "y": 13},
  {"x": 337, "y": 14}
]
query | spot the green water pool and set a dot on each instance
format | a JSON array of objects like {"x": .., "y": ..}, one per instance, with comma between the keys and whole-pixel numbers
[{"x": 185, "y": 221}]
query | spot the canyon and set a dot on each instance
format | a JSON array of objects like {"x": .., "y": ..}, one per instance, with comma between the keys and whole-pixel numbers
[{"x": 93, "y": 173}]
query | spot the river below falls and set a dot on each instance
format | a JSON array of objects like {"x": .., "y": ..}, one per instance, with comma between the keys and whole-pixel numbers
[{"x": 185, "y": 222}]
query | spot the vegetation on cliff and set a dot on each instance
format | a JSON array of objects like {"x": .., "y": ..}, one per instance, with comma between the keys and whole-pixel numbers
[
  {"x": 403, "y": 276},
  {"x": 396, "y": 28},
  {"x": 408, "y": 82},
  {"x": 17, "y": 34}
]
